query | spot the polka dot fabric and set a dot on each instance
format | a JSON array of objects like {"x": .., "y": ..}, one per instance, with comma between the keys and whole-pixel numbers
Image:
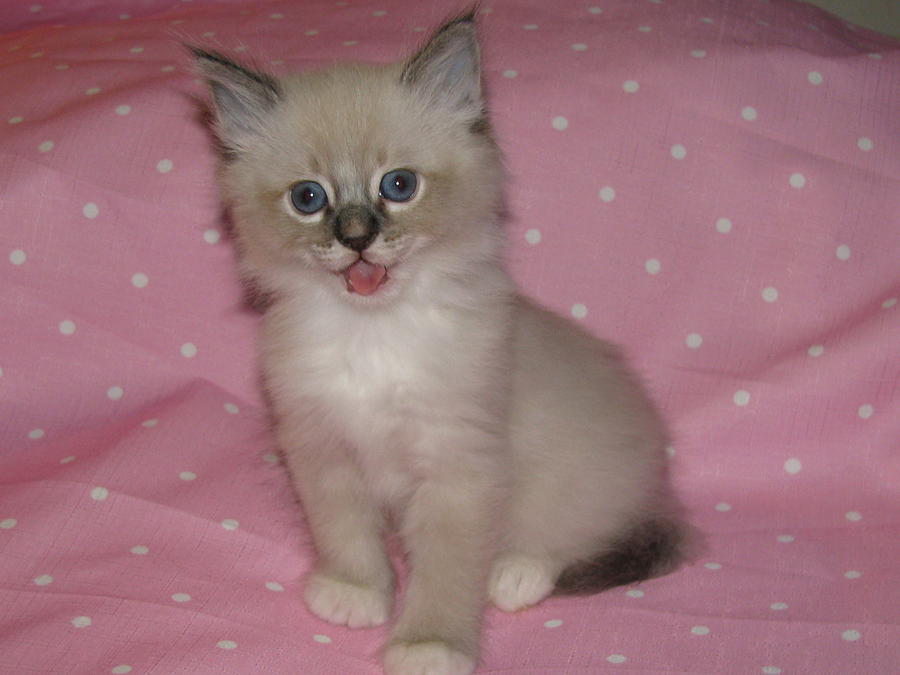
[{"x": 713, "y": 185}]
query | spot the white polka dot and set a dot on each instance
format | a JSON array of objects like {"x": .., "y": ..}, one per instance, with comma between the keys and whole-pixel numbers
[
  {"x": 700, "y": 630},
  {"x": 164, "y": 165},
  {"x": 579, "y": 47},
  {"x": 595, "y": 10},
  {"x": 140, "y": 549},
  {"x": 99, "y": 494},
  {"x": 181, "y": 597},
  {"x": 853, "y": 516},
  {"x": 67, "y": 327},
  {"x": 653, "y": 266},
  {"x": 713, "y": 566},
  {"x": 322, "y": 639},
  {"x": 189, "y": 350},
  {"x": 8, "y": 523},
  {"x": 379, "y": 12},
  {"x": 865, "y": 411},
  {"x": 741, "y": 397},
  {"x": 226, "y": 644},
  {"x": 560, "y": 123},
  {"x": 771, "y": 670},
  {"x": 816, "y": 350},
  {"x": 706, "y": 19},
  {"x": 852, "y": 574},
  {"x": 579, "y": 311},
  {"x": 678, "y": 151},
  {"x": 35, "y": 8},
  {"x": 510, "y": 73},
  {"x": 748, "y": 113},
  {"x": 212, "y": 236},
  {"x": 67, "y": 460},
  {"x": 230, "y": 524},
  {"x": 851, "y": 635},
  {"x": 875, "y": 55},
  {"x": 36, "y": 55},
  {"x": 553, "y": 623},
  {"x": 169, "y": 69},
  {"x": 607, "y": 194},
  {"x": 121, "y": 670},
  {"x": 17, "y": 256},
  {"x": 793, "y": 465},
  {"x": 115, "y": 392},
  {"x": 61, "y": 66},
  {"x": 43, "y": 580},
  {"x": 533, "y": 236},
  {"x": 843, "y": 252},
  {"x": 187, "y": 475},
  {"x": 311, "y": 32},
  {"x": 785, "y": 538},
  {"x": 865, "y": 144},
  {"x": 723, "y": 225},
  {"x": 815, "y": 77},
  {"x": 90, "y": 210},
  {"x": 890, "y": 302},
  {"x": 770, "y": 294},
  {"x": 698, "y": 53},
  {"x": 81, "y": 621},
  {"x": 92, "y": 91},
  {"x": 349, "y": 43},
  {"x": 645, "y": 29},
  {"x": 693, "y": 340},
  {"x": 140, "y": 280},
  {"x": 723, "y": 507},
  {"x": 778, "y": 606},
  {"x": 150, "y": 423},
  {"x": 16, "y": 120},
  {"x": 46, "y": 146},
  {"x": 530, "y": 26},
  {"x": 670, "y": 451},
  {"x": 231, "y": 409},
  {"x": 124, "y": 17},
  {"x": 797, "y": 180},
  {"x": 634, "y": 593},
  {"x": 270, "y": 457},
  {"x": 616, "y": 658},
  {"x": 123, "y": 109},
  {"x": 630, "y": 86},
  {"x": 274, "y": 586},
  {"x": 36, "y": 434}
]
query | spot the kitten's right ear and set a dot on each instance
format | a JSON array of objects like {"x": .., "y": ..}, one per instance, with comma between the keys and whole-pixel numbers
[{"x": 243, "y": 98}]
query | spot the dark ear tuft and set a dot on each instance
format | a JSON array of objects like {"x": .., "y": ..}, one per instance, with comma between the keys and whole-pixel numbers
[
  {"x": 242, "y": 97},
  {"x": 447, "y": 69}
]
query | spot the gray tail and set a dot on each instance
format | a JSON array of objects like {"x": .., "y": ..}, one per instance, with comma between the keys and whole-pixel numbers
[{"x": 650, "y": 549}]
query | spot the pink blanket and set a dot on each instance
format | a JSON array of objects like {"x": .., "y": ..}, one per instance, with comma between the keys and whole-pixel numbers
[{"x": 715, "y": 185}]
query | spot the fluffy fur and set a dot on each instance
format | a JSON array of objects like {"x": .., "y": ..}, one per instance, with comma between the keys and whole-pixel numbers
[{"x": 513, "y": 452}]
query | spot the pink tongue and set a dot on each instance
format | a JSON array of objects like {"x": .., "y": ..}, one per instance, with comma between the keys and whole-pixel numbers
[{"x": 363, "y": 277}]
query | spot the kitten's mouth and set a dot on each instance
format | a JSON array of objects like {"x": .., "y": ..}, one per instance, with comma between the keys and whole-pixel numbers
[{"x": 364, "y": 277}]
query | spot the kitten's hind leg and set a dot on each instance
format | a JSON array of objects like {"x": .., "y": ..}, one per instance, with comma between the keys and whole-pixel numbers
[{"x": 519, "y": 580}]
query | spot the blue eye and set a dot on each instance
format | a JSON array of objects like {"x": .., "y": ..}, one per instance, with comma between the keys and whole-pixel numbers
[
  {"x": 308, "y": 197},
  {"x": 398, "y": 185}
]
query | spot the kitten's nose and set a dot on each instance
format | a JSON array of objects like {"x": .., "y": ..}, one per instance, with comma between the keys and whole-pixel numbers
[{"x": 356, "y": 227}]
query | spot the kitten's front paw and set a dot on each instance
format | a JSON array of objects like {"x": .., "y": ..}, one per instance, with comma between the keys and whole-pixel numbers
[
  {"x": 518, "y": 581},
  {"x": 346, "y": 604},
  {"x": 426, "y": 658}
]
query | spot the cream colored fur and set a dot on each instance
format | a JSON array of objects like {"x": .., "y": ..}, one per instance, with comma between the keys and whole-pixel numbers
[{"x": 502, "y": 442}]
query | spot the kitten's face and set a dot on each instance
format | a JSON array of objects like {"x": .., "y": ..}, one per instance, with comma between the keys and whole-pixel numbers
[{"x": 358, "y": 178}]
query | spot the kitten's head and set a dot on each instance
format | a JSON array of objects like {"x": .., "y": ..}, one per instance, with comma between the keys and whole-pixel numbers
[{"x": 362, "y": 180}]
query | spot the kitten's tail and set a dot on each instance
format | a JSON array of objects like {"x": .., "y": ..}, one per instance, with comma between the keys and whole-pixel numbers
[{"x": 652, "y": 548}]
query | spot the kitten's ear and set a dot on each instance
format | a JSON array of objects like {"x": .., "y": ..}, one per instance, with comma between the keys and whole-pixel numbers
[
  {"x": 243, "y": 98},
  {"x": 447, "y": 70}
]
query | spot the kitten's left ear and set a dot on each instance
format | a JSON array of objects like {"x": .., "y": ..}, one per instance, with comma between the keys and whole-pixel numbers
[
  {"x": 243, "y": 98},
  {"x": 447, "y": 70}
]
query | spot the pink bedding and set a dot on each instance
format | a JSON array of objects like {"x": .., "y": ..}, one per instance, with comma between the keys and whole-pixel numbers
[{"x": 715, "y": 185}]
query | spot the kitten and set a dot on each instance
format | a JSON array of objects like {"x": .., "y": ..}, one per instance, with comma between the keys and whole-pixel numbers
[{"x": 410, "y": 385}]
